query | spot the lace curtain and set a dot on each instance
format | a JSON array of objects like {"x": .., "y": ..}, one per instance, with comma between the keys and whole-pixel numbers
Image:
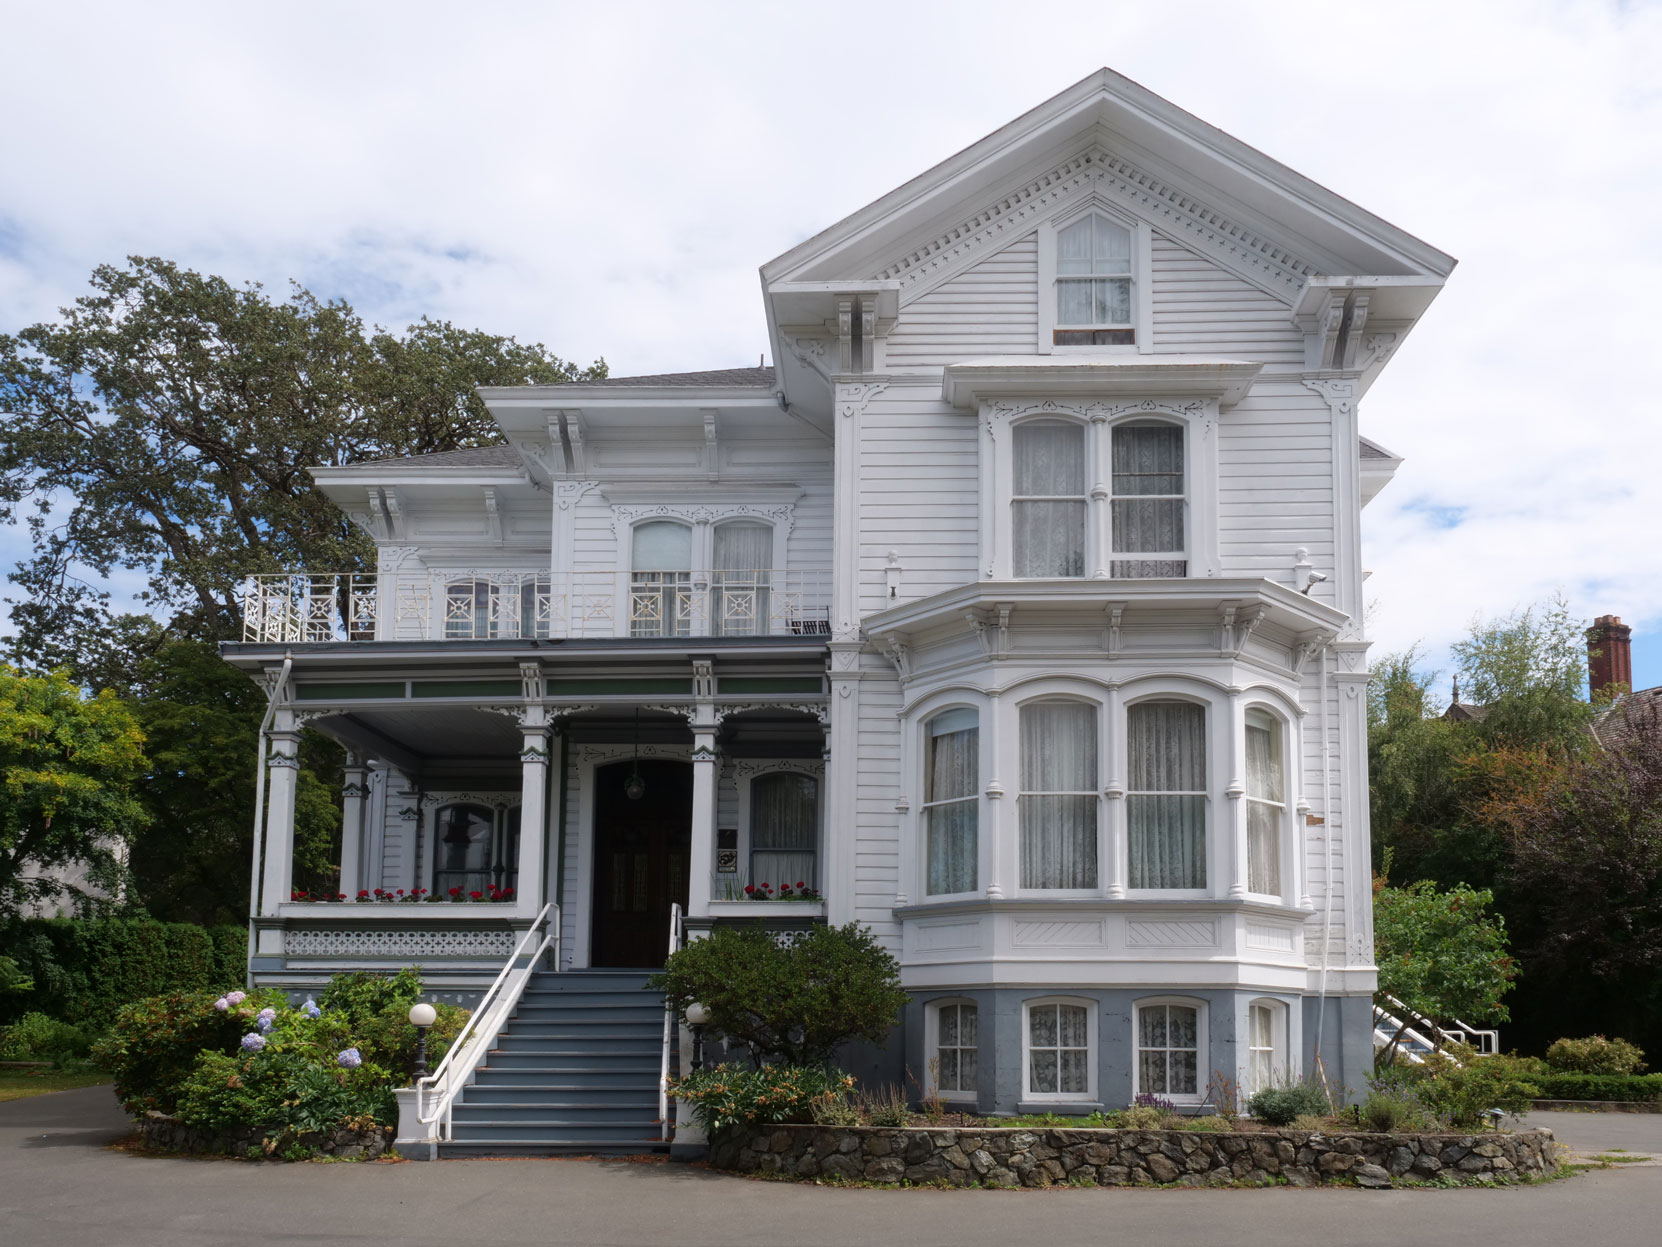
[
  {"x": 957, "y": 1048},
  {"x": 1058, "y": 1049},
  {"x": 1166, "y": 801},
  {"x": 1058, "y": 795},
  {"x": 742, "y": 578},
  {"x": 1148, "y": 500},
  {"x": 1266, "y": 803},
  {"x": 1168, "y": 1057},
  {"x": 784, "y": 829},
  {"x": 951, "y": 802},
  {"x": 1093, "y": 267},
  {"x": 1048, "y": 514}
]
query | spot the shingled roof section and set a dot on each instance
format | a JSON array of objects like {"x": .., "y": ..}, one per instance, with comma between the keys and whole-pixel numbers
[
  {"x": 721, "y": 378},
  {"x": 472, "y": 457}
]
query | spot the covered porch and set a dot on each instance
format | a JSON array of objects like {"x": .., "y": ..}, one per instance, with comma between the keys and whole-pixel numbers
[{"x": 486, "y": 782}]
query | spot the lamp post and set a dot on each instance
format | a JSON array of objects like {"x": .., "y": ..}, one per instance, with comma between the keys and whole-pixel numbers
[
  {"x": 422, "y": 1015},
  {"x": 698, "y": 1017}
]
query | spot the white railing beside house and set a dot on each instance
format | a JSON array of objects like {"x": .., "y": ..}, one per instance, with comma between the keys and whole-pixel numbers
[
  {"x": 463, "y": 604},
  {"x": 436, "y": 1093},
  {"x": 1422, "y": 1036},
  {"x": 675, "y": 938}
]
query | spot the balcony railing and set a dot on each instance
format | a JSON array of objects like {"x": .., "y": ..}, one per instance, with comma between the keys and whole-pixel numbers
[{"x": 466, "y": 605}]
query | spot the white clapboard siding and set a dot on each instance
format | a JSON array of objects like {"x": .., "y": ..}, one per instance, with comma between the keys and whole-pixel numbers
[
  {"x": 877, "y": 786},
  {"x": 989, "y": 309},
  {"x": 1321, "y": 867},
  {"x": 919, "y": 494},
  {"x": 1202, "y": 309},
  {"x": 1275, "y": 485}
]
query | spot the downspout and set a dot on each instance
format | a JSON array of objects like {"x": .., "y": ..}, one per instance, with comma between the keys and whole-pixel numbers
[{"x": 278, "y": 690}]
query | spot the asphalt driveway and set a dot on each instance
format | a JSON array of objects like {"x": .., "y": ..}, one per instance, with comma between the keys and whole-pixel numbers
[{"x": 61, "y": 1185}]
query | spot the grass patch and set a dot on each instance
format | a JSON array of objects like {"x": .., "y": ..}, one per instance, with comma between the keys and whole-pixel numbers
[
  {"x": 19, "y": 1084},
  {"x": 1611, "y": 1158}
]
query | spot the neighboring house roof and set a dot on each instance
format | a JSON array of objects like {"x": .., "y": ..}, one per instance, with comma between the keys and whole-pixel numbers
[
  {"x": 1615, "y": 723},
  {"x": 725, "y": 378},
  {"x": 1466, "y": 712}
]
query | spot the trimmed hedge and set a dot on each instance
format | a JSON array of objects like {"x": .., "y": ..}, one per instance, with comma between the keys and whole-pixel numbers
[
  {"x": 84, "y": 969},
  {"x": 1599, "y": 1086}
]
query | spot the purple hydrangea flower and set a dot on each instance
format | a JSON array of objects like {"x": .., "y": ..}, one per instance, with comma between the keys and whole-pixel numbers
[
  {"x": 350, "y": 1059},
  {"x": 268, "y": 1013},
  {"x": 252, "y": 1042},
  {"x": 264, "y": 1024},
  {"x": 222, "y": 1004},
  {"x": 235, "y": 998},
  {"x": 310, "y": 1008}
]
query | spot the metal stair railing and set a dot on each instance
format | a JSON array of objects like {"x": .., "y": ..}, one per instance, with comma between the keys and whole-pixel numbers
[
  {"x": 1416, "y": 1041},
  {"x": 675, "y": 937},
  {"x": 444, "y": 1084}
]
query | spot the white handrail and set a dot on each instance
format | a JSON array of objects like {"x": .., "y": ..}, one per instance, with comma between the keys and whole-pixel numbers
[
  {"x": 453, "y": 1072},
  {"x": 669, "y": 1026}
]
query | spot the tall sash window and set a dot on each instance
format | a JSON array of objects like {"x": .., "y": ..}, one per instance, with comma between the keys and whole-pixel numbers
[
  {"x": 1148, "y": 501},
  {"x": 660, "y": 585},
  {"x": 1168, "y": 1050},
  {"x": 784, "y": 829},
  {"x": 1049, "y": 502},
  {"x": 741, "y": 582},
  {"x": 1266, "y": 803},
  {"x": 1058, "y": 799},
  {"x": 951, "y": 801},
  {"x": 1166, "y": 800},
  {"x": 1093, "y": 284}
]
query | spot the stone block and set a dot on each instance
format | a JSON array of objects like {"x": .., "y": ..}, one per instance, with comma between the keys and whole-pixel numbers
[
  {"x": 886, "y": 1169},
  {"x": 1161, "y": 1168},
  {"x": 1372, "y": 1177}
]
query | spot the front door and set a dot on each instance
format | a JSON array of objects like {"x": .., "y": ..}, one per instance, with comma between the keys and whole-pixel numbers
[{"x": 642, "y": 851}]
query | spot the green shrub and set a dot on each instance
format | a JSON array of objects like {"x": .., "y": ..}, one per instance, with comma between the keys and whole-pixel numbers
[
  {"x": 1625, "y": 1087},
  {"x": 1387, "y": 1111},
  {"x": 282, "y": 1091},
  {"x": 36, "y": 1037},
  {"x": 1281, "y": 1106},
  {"x": 152, "y": 1046},
  {"x": 793, "y": 1000},
  {"x": 1457, "y": 1096},
  {"x": 13, "y": 982},
  {"x": 361, "y": 995},
  {"x": 1595, "y": 1055},
  {"x": 1144, "y": 1117},
  {"x": 727, "y": 1095},
  {"x": 885, "y": 1108},
  {"x": 1212, "y": 1123}
]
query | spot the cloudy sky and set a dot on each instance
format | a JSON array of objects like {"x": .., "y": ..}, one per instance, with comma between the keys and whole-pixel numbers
[{"x": 607, "y": 178}]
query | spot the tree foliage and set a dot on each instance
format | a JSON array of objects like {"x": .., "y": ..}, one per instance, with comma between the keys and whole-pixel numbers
[
  {"x": 68, "y": 763},
  {"x": 1443, "y": 954},
  {"x": 794, "y": 999},
  {"x": 168, "y": 421}
]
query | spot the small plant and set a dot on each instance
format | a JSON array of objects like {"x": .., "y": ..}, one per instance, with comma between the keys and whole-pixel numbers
[
  {"x": 885, "y": 1108},
  {"x": 1279, "y": 1106},
  {"x": 727, "y": 1095},
  {"x": 835, "y": 1109},
  {"x": 1311, "y": 1121},
  {"x": 1595, "y": 1055},
  {"x": 1144, "y": 1117},
  {"x": 1223, "y": 1093},
  {"x": 929, "y": 1098}
]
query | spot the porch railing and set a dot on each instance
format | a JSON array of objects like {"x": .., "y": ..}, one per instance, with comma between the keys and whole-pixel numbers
[
  {"x": 675, "y": 939},
  {"x": 436, "y": 1094},
  {"x": 459, "y": 604}
]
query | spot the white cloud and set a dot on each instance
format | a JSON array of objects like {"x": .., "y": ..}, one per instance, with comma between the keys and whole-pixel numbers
[{"x": 606, "y": 179}]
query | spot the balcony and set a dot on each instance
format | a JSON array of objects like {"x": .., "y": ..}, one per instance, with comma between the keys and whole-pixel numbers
[{"x": 468, "y": 605}]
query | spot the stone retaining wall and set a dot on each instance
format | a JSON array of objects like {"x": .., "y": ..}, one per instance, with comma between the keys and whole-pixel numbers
[
  {"x": 1045, "y": 1157},
  {"x": 169, "y": 1134}
]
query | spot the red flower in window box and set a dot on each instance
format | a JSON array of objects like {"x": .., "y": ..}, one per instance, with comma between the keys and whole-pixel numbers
[{"x": 478, "y": 896}]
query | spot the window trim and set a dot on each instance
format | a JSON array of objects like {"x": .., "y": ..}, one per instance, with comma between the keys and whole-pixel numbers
[
  {"x": 932, "y": 1049},
  {"x": 1202, "y": 1046},
  {"x": 747, "y": 776},
  {"x": 1093, "y": 1051},
  {"x": 1142, "y": 267}
]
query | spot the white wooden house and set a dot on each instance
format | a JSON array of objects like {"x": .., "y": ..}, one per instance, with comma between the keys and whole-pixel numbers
[{"x": 1016, "y": 610}]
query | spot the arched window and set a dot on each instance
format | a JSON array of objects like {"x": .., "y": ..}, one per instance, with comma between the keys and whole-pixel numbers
[
  {"x": 1266, "y": 802},
  {"x": 1171, "y": 1049},
  {"x": 1148, "y": 501},
  {"x": 1266, "y": 1044},
  {"x": 1049, "y": 502},
  {"x": 951, "y": 801},
  {"x": 955, "y": 1060},
  {"x": 1166, "y": 797},
  {"x": 660, "y": 589},
  {"x": 1058, "y": 798},
  {"x": 741, "y": 579},
  {"x": 784, "y": 829},
  {"x": 1093, "y": 284}
]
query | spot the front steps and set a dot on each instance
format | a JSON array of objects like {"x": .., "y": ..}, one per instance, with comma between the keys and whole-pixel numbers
[{"x": 574, "y": 1072}]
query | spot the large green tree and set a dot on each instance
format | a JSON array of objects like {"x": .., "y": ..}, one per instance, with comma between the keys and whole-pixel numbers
[{"x": 68, "y": 763}]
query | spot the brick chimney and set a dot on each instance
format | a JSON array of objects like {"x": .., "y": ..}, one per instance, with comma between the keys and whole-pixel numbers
[{"x": 1609, "y": 654}]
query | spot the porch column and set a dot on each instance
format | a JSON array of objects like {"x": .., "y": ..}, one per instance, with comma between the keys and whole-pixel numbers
[
  {"x": 705, "y": 771},
  {"x": 282, "y": 777},
  {"x": 354, "y": 791},
  {"x": 533, "y": 819}
]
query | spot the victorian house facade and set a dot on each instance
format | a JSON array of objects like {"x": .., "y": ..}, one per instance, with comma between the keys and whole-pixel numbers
[{"x": 1014, "y": 613}]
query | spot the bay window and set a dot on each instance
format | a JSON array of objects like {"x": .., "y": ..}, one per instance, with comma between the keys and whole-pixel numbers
[
  {"x": 1049, "y": 500},
  {"x": 1058, "y": 798},
  {"x": 1266, "y": 802},
  {"x": 1166, "y": 796},
  {"x": 951, "y": 801}
]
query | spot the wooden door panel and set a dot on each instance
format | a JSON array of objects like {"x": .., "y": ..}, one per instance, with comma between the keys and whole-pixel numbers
[{"x": 642, "y": 860}]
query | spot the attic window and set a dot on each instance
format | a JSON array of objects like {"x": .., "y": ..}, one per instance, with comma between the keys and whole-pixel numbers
[{"x": 1093, "y": 284}]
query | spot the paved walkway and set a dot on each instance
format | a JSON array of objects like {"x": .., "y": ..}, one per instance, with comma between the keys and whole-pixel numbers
[{"x": 59, "y": 1185}]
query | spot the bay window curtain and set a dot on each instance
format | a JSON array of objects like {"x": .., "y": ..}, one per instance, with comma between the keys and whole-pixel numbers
[
  {"x": 951, "y": 802},
  {"x": 742, "y": 578},
  {"x": 1266, "y": 802},
  {"x": 661, "y": 582},
  {"x": 1148, "y": 498},
  {"x": 784, "y": 829},
  {"x": 1058, "y": 796},
  {"x": 1166, "y": 800},
  {"x": 1048, "y": 507}
]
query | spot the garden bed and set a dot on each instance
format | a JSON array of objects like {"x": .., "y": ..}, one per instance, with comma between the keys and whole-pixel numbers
[{"x": 1037, "y": 1157}]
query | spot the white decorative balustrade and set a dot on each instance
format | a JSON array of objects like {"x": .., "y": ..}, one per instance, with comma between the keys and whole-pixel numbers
[{"x": 470, "y": 605}]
